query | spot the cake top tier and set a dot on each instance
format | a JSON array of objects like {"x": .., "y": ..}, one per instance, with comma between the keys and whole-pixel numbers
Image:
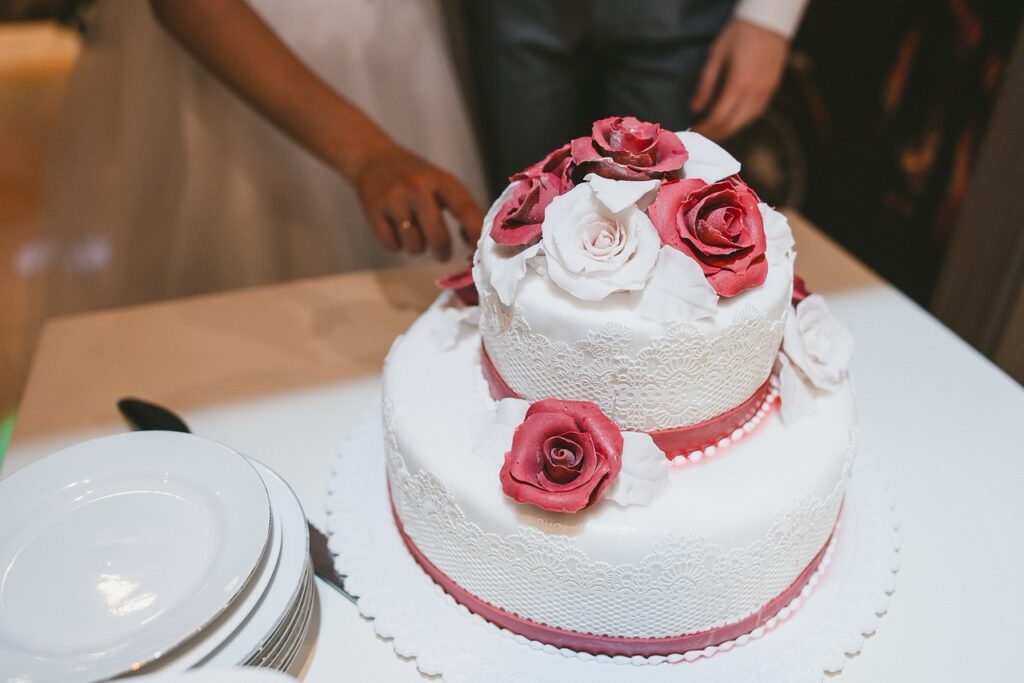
[
  {"x": 635, "y": 269},
  {"x": 631, "y": 206}
]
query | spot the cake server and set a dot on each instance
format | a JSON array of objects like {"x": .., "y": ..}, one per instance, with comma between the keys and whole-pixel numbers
[{"x": 146, "y": 416}]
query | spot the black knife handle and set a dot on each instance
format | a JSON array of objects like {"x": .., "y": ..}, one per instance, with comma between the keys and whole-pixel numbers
[{"x": 146, "y": 416}]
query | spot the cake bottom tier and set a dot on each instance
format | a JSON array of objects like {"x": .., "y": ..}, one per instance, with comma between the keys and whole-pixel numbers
[
  {"x": 605, "y": 644},
  {"x": 716, "y": 553}
]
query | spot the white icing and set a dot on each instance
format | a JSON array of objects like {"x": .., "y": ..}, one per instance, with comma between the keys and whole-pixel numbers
[{"x": 726, "y": 535}]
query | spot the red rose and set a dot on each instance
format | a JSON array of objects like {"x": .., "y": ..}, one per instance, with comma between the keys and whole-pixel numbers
[
  {"x": 563, "y": 456},
  {"x": 519, "y": 219},
  {"x": 624, "y": 148},
  {"x": 800, "y": 291},
  {"x": 718, "y": 225},
  {"x": 558, "y": 163},
  {"x": 462, "y": 284}
]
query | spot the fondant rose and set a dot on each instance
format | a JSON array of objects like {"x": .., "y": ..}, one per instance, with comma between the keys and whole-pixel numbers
[
  {"x": 719, "y": 225},
  {"x": 519, "y": 219},
  {"x": 625, "y": 148},
  {"x": 563, "y": 456},
  {"x": 461, "y": 282},
  {"x": 591, "y": 251},
  {"x": 818, "y": 344},
  {"x": 558, "y": 163}
]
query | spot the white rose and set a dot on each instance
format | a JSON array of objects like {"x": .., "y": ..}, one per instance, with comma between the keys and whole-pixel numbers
[
  {"x": 818, "y": 344},
  {"x": 592, "y": 251}
]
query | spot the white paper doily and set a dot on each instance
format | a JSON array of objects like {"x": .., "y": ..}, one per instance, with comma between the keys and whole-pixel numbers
[{"x": 423, "y": 622}]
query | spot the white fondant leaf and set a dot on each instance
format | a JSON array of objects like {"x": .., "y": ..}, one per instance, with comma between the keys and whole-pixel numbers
[
  {"x": 778, "y": 236},
  {"x": 511, "y": 411},
  {"x": 501, "y": 266},
  {"x": 616, "y": 195},
  {"x": 796, "y": 399},
  {"x": 492, "y": 430},
  {"x": 507, "y": 271},
  {"x": 677, "y": 290},
  {"x": 706, "y": 160},
  {"x": 452, "y": 321},
  {"x": 644, "y": 471}
]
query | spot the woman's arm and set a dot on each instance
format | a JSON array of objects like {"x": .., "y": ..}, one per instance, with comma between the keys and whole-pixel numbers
[{"x": 401, "y": 194}]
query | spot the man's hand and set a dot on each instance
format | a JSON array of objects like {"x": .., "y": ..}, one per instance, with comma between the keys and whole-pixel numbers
[
  {"x": 402, "y": 197},
  {"x": 742, "y": 71}
]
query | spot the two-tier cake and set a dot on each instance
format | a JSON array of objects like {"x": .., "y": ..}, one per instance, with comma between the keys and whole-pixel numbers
[{"x": 629, "y": 431}]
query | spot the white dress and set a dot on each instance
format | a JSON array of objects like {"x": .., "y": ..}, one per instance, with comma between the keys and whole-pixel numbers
[{"x": 163, "y": 183}]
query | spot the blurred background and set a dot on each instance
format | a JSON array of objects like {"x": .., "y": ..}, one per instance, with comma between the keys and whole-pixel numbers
[{"x": 896, "y": 131}]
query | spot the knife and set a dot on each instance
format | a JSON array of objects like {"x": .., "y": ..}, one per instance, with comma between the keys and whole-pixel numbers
[{"x": 147, "y": 416}]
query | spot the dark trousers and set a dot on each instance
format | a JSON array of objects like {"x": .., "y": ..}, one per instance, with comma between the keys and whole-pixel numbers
[{"x": 544, "y": 70}]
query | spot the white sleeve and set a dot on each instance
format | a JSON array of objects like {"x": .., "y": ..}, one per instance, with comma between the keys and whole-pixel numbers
[{"x": 781, "y": 16}]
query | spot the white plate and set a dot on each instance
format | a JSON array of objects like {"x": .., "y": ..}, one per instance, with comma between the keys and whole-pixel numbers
[
  {"x": 286, "y": 584},
  {"x": 114, "y": 551},
  {"x": 223, "y": 628},
  {"x": 299, "y": 618},
  {"x": 300, "y": 638},
  {"x": 243, "y": 675}
]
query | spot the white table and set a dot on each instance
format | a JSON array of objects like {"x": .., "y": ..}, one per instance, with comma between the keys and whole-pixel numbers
[{"x": 282, "y": 373}]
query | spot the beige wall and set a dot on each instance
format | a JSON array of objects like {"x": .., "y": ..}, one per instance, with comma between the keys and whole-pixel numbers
[{"x": 35, "y": 60}]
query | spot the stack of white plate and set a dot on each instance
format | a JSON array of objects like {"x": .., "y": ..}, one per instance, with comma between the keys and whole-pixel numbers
[{"x": 149, "y": 551}]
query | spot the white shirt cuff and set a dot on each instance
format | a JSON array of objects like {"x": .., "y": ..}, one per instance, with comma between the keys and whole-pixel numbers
[{"x": 780, "y": 16}]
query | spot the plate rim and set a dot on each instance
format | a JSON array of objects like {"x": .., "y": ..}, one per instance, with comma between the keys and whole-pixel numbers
[{"x": 295, "y": 552}]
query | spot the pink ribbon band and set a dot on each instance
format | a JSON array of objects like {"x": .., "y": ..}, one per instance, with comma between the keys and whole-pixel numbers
[
  {"x": 603, "y": 644},
  {"x": 682, "y": 440},
  {"x": 674, "y": 440}
]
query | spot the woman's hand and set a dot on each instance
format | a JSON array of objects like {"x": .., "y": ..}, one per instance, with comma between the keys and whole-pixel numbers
[
  {"x": 742, "y": 71},
  {"x": 403, "y": 197}
]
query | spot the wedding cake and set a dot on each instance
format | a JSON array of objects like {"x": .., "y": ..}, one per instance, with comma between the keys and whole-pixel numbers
[{"x": 627, "y": 429}]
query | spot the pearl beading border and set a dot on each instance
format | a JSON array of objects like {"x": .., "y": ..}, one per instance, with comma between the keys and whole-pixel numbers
[{"x": 767, "y": 405}]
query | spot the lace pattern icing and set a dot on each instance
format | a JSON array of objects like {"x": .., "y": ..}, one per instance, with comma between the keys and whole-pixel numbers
[
  {"x": 679, "y": 379},
  {"x": 686, "y": 583}
]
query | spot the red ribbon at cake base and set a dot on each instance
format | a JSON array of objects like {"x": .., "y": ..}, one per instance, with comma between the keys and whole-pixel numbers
[
  {"x": 608, "y": 645},
  {"x": 674, "y": 440}
]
